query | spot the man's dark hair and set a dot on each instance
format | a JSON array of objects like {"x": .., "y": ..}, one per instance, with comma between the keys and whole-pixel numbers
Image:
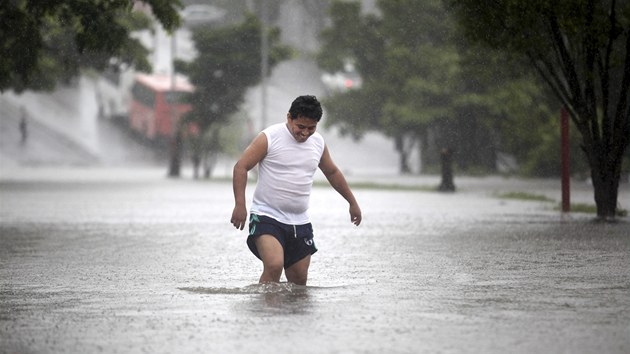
[{"x": 306, "y": 106}]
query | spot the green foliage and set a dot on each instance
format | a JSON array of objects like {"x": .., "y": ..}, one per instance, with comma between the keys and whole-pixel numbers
[
  {"x": 359, "y": 39},
  {"x": 228, "y": 63},
  {"x": 43, "y": 42},
  {"x": 422, "y": 65},
  {"x": 355, "y": 112},
  {"x": 342, "y": 39},
  {"x": 421, "y": 78},
  {"x": 352, "y": 36},
  {"x": 581, "y": 48},
  {"x": 542, "y": 156},
  {"x": 395, "y": 55}
]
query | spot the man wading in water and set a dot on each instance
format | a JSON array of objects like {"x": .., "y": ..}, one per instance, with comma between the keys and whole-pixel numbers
[{"x": 287, "y": 154}]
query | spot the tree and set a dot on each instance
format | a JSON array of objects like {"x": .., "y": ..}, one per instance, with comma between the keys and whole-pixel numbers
[
  {"x": 228, "y": 63},
  {"x": 44, "y": 42},
  {"x": 405, "y": 62},
  {"x": 425, "y": 87},
  {"x": 581, "y": 48}
]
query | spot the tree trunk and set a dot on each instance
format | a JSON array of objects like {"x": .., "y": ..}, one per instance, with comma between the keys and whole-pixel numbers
[
  {"x": 196, "y": 161},
  {"x": 605, "y": 173},
  {"x": 209, "y": 161},
  {"x": 423, "y": 146},
  {"x": 447, "y": 184},
  {"x": 606, "y": 192},
  {"x": 174, "y": 169},
  {"x": 403, "y": 153},
  {"x": 196, "y": 147}
]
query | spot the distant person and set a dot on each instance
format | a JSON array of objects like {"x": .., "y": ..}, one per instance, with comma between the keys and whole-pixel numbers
[
  {"x": 23, "y": 126},
  {"x": 288, "y": 155},
  {"x": 446, "y": 157}
]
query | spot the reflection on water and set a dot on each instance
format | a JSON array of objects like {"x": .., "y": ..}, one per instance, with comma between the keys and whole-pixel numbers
[
  {"x": 265, "y": 288},
  {"x": 152, "y": 265},
  {"x": 273, "y": 298}
]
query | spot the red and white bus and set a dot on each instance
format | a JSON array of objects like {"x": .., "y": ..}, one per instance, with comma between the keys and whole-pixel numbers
[{"x": 155, "y": 107}]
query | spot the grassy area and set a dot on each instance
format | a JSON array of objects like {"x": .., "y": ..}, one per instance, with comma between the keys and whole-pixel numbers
[
  {"x": 382, "y": 186},
  {"x": 590, "y": 209},
  {"x": 574, "y": 207},
  {"x": 525, "y": 196},
  {"x": 394, "y": 187},
  {"x": 580, "y": 208},
  {"x": 356, "y": 185}
]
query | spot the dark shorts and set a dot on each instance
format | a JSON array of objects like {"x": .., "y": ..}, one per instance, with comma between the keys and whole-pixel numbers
[{"x": 296, "y": 240}]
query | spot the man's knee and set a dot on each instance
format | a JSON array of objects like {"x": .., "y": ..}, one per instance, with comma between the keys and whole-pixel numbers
[
  {"x": 297, "y": 278},
  {"x": 298, "y": 272},
  {"x": 274, "y": 265},
  {"x": 272, "y": 255}
]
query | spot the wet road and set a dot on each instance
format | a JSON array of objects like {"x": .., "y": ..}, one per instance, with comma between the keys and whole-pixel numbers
[{"x": 141, "y": 263}]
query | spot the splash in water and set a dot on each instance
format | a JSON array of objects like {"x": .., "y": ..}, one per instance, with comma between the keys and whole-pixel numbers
[{"x": 264, "y": 288}]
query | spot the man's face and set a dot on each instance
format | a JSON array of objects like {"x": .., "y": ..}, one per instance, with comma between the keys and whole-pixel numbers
[{"x": 301, "y": 128}]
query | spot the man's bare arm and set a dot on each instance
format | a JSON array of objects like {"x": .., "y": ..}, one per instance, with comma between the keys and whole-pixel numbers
[
  {"x": 255, "y": 152},
  {"x": 339, "y": 183}
]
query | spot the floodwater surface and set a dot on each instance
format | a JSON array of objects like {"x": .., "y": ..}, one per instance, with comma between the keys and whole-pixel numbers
[{"x": 153, "y": 265}]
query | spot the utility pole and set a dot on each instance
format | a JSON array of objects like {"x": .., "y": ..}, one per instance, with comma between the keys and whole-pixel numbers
[
  {"x": 566, "y": 170},
  {"x": 175, "y": 143},
  {"x": 264, "y": 62}
]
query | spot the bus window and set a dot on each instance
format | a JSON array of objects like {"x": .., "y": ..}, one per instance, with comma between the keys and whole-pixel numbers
[
  {"x": 155, "y": 106},
  {"x": 176, "y": 96},
  {"x": 143, "y": 94}
]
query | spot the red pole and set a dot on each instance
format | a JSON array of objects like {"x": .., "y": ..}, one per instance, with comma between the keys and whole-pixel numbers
[{"x": 566, "y": 181}]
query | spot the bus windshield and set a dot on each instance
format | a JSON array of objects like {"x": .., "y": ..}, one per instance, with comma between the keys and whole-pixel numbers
[
  {"x": 143, "y": 94},
  {"x": 176, "y": 96}
]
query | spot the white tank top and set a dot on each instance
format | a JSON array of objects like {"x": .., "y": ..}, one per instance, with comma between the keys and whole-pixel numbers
[{"x": 285, "y": 175}]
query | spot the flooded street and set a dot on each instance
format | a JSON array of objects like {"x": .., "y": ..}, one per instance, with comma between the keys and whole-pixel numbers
[
  {"x": 101, "y": 253},
  {"x": 133, "y": 263}
]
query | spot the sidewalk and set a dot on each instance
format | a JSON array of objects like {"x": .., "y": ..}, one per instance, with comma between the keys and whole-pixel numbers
[{"x": 488, "y": 186}]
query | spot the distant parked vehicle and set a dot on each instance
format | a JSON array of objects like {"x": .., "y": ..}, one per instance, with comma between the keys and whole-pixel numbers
[
  {"x": 155, "y": 107},
  {"x": 199, "y": 14},
  {"x": 343, "y": 80}
]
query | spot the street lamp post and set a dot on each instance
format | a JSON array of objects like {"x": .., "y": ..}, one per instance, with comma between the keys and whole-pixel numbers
[
  {"x": 264, "y": 63},
  {"x": 175, "y": 143}
]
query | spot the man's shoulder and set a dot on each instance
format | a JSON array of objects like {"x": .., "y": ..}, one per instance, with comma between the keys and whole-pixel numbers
[
  {"x": 274, "y": 127},
  {"x": 318, "y": 137}
]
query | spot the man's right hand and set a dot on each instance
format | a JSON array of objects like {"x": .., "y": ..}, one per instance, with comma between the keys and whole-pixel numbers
[{"x": 239, "y": 217}]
